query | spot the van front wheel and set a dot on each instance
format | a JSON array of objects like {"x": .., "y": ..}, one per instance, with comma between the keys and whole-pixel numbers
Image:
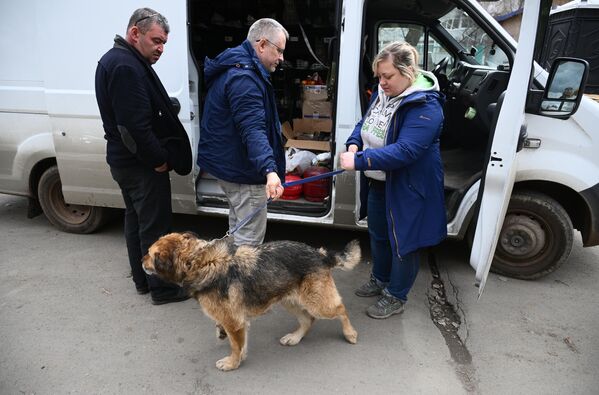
[
  {"x": 72, "y": 218},
  {"x": 536, "y": 237}
]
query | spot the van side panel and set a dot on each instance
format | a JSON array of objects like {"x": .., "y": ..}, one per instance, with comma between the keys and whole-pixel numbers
[
  {"x": 69, "y": 54},
  {"x": 24, "y": 123}
]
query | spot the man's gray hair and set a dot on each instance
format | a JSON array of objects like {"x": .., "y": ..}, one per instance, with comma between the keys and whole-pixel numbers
[
  {"x": 145, "y": 17},
  {"x": 265, "y": 28}
]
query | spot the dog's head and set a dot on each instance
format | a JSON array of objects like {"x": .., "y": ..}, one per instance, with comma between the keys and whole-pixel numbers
[{"x": 172, "y": 256}]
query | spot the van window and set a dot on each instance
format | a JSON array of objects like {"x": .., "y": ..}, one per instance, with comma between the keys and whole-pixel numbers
[
  {"x": 415, "y": 36},
  {"x": 470, "y": 35},
  {"x": 436, "y": 53},
  {"x": 410, "y": 33}
]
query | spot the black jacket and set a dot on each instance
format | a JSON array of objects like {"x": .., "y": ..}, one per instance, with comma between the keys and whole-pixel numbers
[{"x": 140, "y": 123}]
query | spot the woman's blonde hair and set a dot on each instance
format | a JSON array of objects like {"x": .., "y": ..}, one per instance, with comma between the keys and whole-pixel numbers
[{"x": 403, "y": 56}]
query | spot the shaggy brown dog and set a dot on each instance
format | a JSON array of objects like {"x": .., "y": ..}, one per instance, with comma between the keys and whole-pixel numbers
[{"x": 233, "y": 285}]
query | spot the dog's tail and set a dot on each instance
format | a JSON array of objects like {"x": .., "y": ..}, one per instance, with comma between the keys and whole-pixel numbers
[{"x": 350, "y": 257}]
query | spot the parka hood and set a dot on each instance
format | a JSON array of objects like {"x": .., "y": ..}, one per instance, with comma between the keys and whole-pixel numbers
[{"x": 242, "y": 56}]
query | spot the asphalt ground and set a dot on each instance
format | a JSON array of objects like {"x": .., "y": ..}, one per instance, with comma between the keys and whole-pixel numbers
[{"x": 71, "y": 322}]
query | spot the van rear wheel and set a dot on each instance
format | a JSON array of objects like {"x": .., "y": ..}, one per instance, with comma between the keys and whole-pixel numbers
[
  {"x": 72, "y": 218},
  {"x": 536, "y": 237}
]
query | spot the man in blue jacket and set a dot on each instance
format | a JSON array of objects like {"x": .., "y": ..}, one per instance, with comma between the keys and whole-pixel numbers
[
  {"x": 145, "y": 139},
  {"x": 240, "y": 137}
]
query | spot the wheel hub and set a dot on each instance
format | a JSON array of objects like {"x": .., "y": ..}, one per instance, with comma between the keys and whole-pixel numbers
[
  {"x": 522, "y": 236},
  {"x": 72, "y": 213}
]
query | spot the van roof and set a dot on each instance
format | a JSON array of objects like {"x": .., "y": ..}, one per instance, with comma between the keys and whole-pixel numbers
[
  {"x": 412, "y": 9},
  {"x": 576, "y": 4}
]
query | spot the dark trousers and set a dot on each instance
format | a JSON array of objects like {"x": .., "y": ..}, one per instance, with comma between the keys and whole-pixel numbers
[
  {"x": 148, "y": 215},
  {"x": 399, "y": 273}
]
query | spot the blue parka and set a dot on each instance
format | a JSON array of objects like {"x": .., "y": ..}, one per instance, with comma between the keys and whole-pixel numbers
[
  {"x": 414, "y": 172},
  {"x": 240, "y": 132}
]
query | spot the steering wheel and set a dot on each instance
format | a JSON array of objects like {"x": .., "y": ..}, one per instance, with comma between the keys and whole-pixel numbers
[{"x": 441, "y": 67}]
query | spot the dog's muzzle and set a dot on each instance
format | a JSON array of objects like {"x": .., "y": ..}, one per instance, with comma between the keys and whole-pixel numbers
[{"x": 143, "y": 265}]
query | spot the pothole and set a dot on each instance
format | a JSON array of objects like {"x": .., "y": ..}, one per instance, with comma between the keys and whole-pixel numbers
[{"x": 447, "y": 320}]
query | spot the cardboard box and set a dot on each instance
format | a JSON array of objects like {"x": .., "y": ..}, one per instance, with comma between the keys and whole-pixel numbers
[
  {"x": 307, "y": 125},
  {"x": 302, "y": 127},
  {"x": 316, "y": 109},
  {"x": 315, "y": 92}
]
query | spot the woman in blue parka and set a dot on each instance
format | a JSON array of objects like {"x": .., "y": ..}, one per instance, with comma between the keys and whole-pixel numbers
[{"x": 396, "y": 146}]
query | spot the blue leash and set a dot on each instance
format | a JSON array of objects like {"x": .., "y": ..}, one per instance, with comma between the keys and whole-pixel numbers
[{"x": 285, "y": 185}]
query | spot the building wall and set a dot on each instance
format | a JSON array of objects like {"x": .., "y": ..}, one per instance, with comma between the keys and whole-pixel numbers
[
  {"x": 512, "y": 26},
  {"x": 504, "y": 7}
]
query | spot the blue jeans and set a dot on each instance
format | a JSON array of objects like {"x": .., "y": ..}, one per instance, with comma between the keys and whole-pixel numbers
[{"x": 399, "y": 273}]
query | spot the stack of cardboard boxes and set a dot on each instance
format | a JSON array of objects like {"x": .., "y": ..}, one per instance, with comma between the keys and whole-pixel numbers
[
  {"x": 315, "y": 104},
  {"x": 312, "y": 131}
]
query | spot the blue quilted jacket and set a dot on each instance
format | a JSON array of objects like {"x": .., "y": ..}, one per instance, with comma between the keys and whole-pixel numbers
[
  {"x": 240, "y": 132},
  {"x": 414, "y": 173}
]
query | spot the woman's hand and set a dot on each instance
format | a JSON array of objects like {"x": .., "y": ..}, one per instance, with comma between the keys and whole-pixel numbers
[
  {"x": 352, "y": 148},
  {"x": 346, "y": 159}
]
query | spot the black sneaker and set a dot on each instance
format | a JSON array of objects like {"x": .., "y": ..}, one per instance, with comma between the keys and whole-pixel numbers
[
  {"x": 179, "y": 296},
  {"x": 373, "y": 287},
  {"x": 386, "y": 306}
]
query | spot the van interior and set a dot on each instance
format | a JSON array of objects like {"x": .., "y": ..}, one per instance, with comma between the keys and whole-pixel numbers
[{"x": 471, "y": 63}]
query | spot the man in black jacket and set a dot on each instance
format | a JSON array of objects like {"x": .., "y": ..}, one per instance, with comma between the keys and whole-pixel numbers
[{"x": 145, "y": 139}]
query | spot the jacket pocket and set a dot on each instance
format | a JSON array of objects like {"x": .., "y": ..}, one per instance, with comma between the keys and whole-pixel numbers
[{"x": 416, "y": 185}]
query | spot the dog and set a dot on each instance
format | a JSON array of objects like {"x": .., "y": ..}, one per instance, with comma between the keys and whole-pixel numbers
[{"x": 233, "y": 284}]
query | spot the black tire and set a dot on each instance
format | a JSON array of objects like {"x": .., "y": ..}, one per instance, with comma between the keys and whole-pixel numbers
[
  {"x": 536, "y": 237},
  {"x": 72, "y": 218}
]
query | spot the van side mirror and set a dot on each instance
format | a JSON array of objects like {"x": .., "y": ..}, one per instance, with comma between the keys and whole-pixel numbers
[{"x": 565, "y": 87}]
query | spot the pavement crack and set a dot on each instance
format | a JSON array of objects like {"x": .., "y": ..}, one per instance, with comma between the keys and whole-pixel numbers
[
  {"x": 459, "y": 307},
  {"x": 446, "y": 318}
]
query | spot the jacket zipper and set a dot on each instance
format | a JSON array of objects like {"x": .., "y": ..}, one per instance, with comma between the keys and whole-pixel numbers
[
  {"x": 393, "y": 121},
  {"x": 394, "y": 234}
]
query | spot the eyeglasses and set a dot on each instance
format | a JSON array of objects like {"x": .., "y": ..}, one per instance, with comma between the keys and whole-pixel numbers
[
  {"x": 279, "y": 49},
  {"x": 144, "y": 18}
]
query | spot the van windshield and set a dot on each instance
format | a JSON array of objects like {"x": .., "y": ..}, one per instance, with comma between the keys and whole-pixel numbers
[{"x": 470, "y": 35}]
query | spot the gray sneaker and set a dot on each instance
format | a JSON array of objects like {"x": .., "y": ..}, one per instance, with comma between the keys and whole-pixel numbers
[
  {"x": 386, "y": 306},
  {"x": 372, "y": 288}
]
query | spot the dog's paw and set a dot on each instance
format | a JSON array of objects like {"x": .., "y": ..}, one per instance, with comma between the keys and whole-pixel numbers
[
  {"x": 290, "y": 339},
  {"x": 227, "y": 363},
  {"x": 351, "y": 337}
]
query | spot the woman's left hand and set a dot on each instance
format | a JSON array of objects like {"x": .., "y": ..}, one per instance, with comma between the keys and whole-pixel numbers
[{"x": 346, "y": 160}]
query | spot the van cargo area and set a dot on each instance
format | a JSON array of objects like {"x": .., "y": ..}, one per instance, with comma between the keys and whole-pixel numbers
[{"x": 304, "y": 83}]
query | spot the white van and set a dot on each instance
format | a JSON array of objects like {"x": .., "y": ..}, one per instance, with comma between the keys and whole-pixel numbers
[{"x": 538, "y": 153}]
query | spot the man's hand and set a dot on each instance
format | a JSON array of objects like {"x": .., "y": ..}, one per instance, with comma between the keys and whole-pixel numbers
[
  {"x": 346, "y": 159},
  {"x": 274, "y": 188},
  {"x": 162, "y": 168}
]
